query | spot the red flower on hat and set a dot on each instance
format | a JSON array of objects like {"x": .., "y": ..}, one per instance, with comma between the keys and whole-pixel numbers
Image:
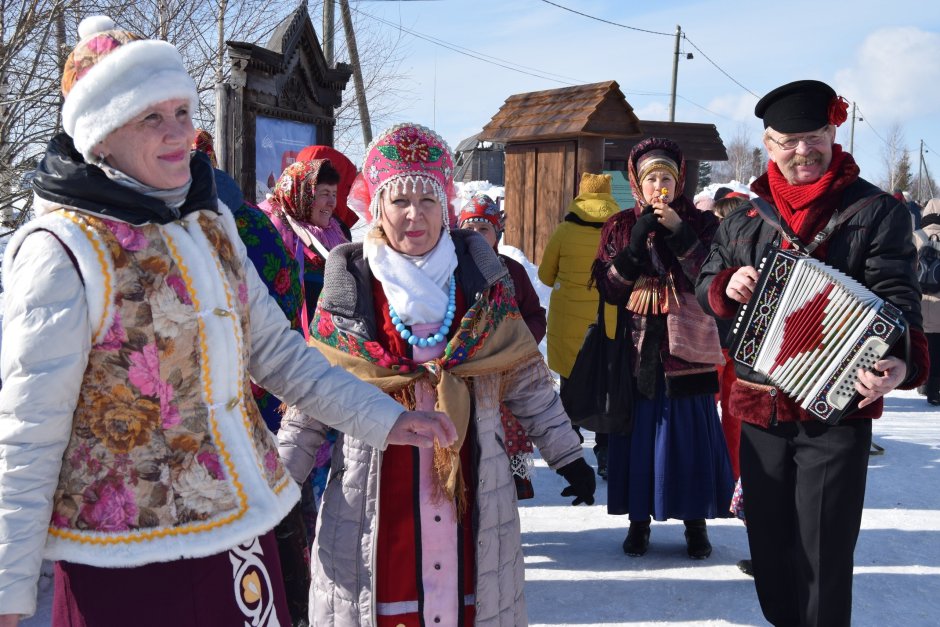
[
  {"x": 413, "y": 149},
  {"x": 838, "y": 110},
  {"x": 410, "y": 147}
]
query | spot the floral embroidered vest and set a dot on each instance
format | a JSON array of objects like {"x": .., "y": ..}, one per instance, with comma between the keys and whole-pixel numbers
[{"x": 156, "y": 449}]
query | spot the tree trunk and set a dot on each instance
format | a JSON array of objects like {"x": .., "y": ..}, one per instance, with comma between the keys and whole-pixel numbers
[{"x": 357, "y": 73}]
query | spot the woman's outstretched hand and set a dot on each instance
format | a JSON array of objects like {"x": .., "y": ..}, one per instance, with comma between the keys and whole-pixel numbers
[{"x": 422, "y": 428}]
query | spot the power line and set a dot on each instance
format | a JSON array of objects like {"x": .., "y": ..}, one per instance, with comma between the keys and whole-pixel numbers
[
  {"x": 592, "y": 17},
  {"x": 653, "y": 32},
  {"x": 658, "y": 94},
  {"x": 691, "y": 102},
  {"x": 864, "y": 119},
  {"x": 537, "y": 73},
  {"x": 931, "y": 153},
  {"x": 733, "y": 80}
]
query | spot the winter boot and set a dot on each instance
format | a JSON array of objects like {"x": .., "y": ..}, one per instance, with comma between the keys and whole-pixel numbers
[
  {"x": 933, "y": 390},
  {"x": 696, "y": 539},
  {"x": 600, "y": 452},
  {"x": 637, "y": 541},
  {"x": 746, "y": 567}
]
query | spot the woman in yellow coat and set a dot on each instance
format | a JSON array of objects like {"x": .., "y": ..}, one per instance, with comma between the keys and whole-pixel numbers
[{"x": 566, "y": 266}]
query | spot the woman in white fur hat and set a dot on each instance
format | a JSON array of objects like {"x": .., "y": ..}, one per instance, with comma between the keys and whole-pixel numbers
[{"x": 131, "y": 452}]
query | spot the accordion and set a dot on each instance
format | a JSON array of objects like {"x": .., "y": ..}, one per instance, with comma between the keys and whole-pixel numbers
[{"x": 808, "y": 328}]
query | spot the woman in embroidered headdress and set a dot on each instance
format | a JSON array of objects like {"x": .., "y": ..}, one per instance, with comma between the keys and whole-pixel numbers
[
  {"x": 133, "y": 454},
  {"x": 428, "y": 315},
  {"x": 675, "y": 463}
]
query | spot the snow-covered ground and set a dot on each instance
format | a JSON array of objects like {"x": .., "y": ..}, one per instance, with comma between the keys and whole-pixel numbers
[{"x": 577, "y": 574}]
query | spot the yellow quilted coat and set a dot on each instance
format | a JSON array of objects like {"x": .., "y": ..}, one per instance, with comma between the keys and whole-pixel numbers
[{"x": 566, "y": 265}]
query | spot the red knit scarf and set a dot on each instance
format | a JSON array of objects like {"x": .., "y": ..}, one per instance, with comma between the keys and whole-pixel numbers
[{"x": 807, "y": 208}]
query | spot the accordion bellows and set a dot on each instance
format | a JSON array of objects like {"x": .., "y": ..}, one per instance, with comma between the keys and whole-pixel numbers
[{"x": 808, "y": 328}]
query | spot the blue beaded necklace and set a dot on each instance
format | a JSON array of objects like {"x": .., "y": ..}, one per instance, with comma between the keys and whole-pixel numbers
[{"x": 434, "y": 338}]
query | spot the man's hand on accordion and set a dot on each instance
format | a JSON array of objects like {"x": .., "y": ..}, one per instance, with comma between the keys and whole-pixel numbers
[
  {"x": 889, "y": 373},
  {"x": 741, "y": 286}
]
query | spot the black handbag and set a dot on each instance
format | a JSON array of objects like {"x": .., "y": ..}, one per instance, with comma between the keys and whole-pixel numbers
[{"x": 598, "y": 394}]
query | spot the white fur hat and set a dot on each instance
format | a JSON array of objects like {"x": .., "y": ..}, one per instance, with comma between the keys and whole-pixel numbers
[{"x": 112, "y": 76}]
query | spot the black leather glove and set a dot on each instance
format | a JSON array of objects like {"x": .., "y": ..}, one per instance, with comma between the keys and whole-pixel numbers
[
  {"x": 645, "y": 225},
  {"x": 629, "y": 261},
  {"x": 580, "y": 476}
]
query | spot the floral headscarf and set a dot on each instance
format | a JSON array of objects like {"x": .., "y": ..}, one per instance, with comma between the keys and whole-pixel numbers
[
  {"x": 203, "y": 143},
  {"x": 293, "y": 193},
  {"x": 347, "y": 172}
]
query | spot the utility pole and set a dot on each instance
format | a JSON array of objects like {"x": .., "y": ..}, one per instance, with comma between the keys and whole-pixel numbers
[
  {"x": 920, "y": 174},
  {"x": 852, "y": 130},
  {"x": 357, "y": 72},
  {"x": 329, "y": 31},
  {"x": 675, "y": 75}
]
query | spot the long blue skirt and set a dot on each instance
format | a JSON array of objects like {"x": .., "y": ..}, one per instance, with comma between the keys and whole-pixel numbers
[{"x": 675, "y": 463}]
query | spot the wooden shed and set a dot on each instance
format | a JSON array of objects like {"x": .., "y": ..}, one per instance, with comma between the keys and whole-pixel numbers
[
  {"x": 280, "y": 98},
  {"x": 478, "y": 160},
  {"x": 552, "y": 137}
]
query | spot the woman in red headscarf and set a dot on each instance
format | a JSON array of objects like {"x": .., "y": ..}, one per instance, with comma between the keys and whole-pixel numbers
[{"x": 347, "y": 173}]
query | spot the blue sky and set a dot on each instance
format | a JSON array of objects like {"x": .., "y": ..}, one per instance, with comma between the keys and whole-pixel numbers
[{"x": 883, "y": 56}]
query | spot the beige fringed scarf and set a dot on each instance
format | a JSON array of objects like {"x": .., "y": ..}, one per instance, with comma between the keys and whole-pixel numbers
[{"x": 506, "y": 348}]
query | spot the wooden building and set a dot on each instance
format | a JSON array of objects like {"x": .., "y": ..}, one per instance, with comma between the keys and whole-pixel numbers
[
  {"x": 477, "y": 160},
  {"x": 286, "y": 86},
  {"x": 552, "y": 137}
]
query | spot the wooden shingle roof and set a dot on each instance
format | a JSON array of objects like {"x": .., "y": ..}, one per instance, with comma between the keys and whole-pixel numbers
[
  {"x": 699, "y": 142},
  {"x": 597, "y": 109}
]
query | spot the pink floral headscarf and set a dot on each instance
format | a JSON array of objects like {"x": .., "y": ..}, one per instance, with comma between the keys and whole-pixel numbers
[{"x": 293, "y": 194}]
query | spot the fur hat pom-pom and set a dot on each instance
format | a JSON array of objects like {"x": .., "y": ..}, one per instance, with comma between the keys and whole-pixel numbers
[{"x": 95, "y": 24}]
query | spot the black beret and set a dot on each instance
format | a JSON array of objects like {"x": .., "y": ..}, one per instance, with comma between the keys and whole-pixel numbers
[
  {"x": 721, "y": 192},
  {"x": 797, "y": 107}
]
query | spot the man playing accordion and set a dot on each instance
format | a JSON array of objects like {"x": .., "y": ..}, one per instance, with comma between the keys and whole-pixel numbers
[{"x": 804, "y": 480}]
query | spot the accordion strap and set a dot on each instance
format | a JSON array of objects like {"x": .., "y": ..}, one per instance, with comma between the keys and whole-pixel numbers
[{"x": 772, "y": 217}]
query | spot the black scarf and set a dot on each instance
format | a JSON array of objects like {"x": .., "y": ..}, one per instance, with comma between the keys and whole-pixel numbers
[{"x": 65, "y": 178}]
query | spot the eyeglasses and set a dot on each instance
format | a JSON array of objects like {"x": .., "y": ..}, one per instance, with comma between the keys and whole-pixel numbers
[{"x": 789, "y": 143}]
